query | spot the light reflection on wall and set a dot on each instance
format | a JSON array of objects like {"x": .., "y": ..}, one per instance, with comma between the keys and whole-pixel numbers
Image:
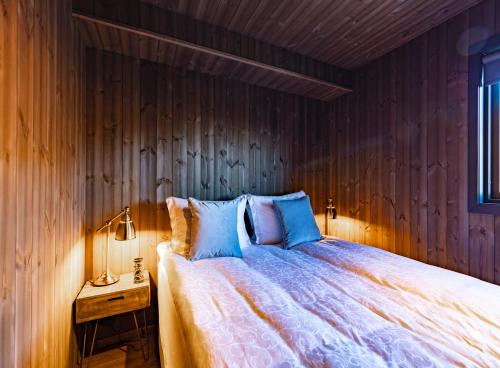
[
  {"x": 122, "y": 253},
  {"x": 344, "y": 227}
]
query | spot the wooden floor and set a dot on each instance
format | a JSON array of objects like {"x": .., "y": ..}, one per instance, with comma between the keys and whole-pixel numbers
[{"x": 125, "y": 356}]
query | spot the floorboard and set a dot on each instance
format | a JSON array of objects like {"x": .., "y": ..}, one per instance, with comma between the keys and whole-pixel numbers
[{"x": 125, "y": 356}]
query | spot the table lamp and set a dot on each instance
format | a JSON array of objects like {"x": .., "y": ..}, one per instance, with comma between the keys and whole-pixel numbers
[{"x": 124, "y": 231}]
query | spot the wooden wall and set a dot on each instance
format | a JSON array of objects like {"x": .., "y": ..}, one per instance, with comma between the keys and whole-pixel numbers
[
  {"x": 42, "y": 186},
  {"x": 154, "y": 131},
  {"x": 398, "y": 152}
]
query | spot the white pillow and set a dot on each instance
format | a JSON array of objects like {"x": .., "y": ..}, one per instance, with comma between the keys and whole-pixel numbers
[
  {"x": 180, "y": 222},
  {"x": 242, "y": 230},
  {"x": 264, "y": 219}
]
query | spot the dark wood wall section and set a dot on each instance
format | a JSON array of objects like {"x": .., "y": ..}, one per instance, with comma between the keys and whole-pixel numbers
[
  {"x": 398, "y": 152},
  {"x": 154, "y": 131},
  {"x": 42, "y": 182}
]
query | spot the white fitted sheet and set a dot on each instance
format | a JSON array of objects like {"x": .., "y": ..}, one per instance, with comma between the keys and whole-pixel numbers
[{"x": 324, "y": 304}]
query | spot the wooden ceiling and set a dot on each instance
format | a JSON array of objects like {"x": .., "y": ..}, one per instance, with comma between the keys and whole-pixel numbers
[
  {"x": 145, "y": 31},
  {"x": 143, "y": 44},
  {"x": 345, "y": 33}
]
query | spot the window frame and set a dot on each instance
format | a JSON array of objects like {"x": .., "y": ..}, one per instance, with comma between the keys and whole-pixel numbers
[{"x": 478, "y": 147}]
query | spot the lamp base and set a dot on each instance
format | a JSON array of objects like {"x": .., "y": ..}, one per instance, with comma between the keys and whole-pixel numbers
[{"x": 106, "y": 278}]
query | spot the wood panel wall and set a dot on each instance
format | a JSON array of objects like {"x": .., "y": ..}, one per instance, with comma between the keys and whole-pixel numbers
[
  {"x": 42, "y": 183},
  {"x": 155, "y": 131},
  {"x": 398, "y": 152}
]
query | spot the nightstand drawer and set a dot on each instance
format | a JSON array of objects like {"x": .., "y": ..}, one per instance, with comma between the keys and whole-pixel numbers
[{"x": 111, "y": 304}]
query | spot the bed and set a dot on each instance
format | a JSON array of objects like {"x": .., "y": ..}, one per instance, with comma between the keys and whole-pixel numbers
[{"x": 329, "y": 303}]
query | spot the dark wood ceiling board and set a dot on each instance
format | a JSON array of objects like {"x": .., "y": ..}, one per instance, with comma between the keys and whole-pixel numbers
[
  {"x": 355, "y": 37},
  {"x": 279, "y": 12},
  {"x": 244, "y": 10},
  {"x": 361, "y": 18},
  {"x": 336, "y": 32},
  {"x": 202, "y": 8},
  {"x": 372, "y": 41},
  {"x": 194, "y": 60},
  {"x": 151, "y": 51},
  {"x": 413, "y": 30},
  {"x": 85, "y": 34},
  {"x": 185, "y": 42},
  {"x": 277, "y": 33},
  {"x": 366, "y": 38},
  {"x": 374, "y": 44},
  {"x": 261, "y": 16},
  {"x": 93, "y": 33},
  {"x": 150, "y": 48},
  {"x": 271, "y": 80},
  {"x": 397, "y": 32},
  {"x": 305, "y": 26},
  {"x": 331, "y": 25}
]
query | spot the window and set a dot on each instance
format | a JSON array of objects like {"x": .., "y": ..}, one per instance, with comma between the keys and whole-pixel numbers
[
  {"x": 484, "y": 128},
  {"x": 489, "y": 135}
]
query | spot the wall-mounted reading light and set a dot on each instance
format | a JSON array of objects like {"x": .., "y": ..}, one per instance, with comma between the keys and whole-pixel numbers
[{"x": 331, "y": 211}]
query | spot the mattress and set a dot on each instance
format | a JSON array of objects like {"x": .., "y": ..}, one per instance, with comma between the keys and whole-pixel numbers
[{"x": 324, "y": 304}]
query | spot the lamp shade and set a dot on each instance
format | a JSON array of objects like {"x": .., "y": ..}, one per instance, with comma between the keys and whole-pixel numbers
[{"x": 126, "y": 228}]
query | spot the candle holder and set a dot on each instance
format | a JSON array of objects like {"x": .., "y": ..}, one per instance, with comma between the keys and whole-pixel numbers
[{"x": 138, "y": 270}]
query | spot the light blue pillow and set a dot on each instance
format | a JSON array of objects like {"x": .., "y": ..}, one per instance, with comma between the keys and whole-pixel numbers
[
  {"x": 214, "y": 229},
  {"x": 264, "y": 220},
  {"x": 297, "y": 221}
]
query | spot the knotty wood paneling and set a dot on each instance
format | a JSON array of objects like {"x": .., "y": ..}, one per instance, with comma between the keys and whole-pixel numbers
[
  {"x": 42, "y": 161},
  {"x": 154, "y": 131},
  {"x": 345, "y": 33},
  {"x": 407, "y": 132}
]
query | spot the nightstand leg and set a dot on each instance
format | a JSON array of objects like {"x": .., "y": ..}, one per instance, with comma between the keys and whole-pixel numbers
[
  {"x": 147, "y": 336},
  {"x": 93, "y": 338},
  {"x": 82, "y": 355},
  {"x": 139, "y": 335}
]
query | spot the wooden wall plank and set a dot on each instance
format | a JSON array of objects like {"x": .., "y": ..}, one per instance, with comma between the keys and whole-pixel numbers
[
  {"x": 8, "y": 114},
  {"x": 163, "y": 152},
  {"x": 148, "y": 133},
  {"x": 481, "y": 247},
  {"x": 442, "y": 186},
  {"x": 457, "y": 238},
  {"x": 24, "y": 182},
  {"x": 433, "y": 164}
]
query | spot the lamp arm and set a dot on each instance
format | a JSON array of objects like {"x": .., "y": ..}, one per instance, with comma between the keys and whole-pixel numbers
[{"x": 109, "y": 222}]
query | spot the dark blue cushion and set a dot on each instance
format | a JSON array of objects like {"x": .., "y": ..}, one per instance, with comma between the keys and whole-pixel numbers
[
  {"x": 297, "y": 221},
  {"x": 214, "y": 229}
]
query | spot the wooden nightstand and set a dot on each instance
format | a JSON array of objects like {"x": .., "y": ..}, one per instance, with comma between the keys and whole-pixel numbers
[{"x": 96, "y": 302}]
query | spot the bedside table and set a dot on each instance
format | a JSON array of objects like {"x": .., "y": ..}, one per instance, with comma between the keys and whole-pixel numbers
[{"x": 96, "y": 302}]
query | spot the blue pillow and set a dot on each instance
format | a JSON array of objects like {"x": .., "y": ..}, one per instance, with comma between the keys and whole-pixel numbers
[
  {"x": 297, "y": 221},
  {"x": 214, "y": 229}
]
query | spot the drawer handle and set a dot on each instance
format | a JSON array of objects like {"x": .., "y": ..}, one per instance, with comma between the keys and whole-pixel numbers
[{"x": 116, "y": 298}]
